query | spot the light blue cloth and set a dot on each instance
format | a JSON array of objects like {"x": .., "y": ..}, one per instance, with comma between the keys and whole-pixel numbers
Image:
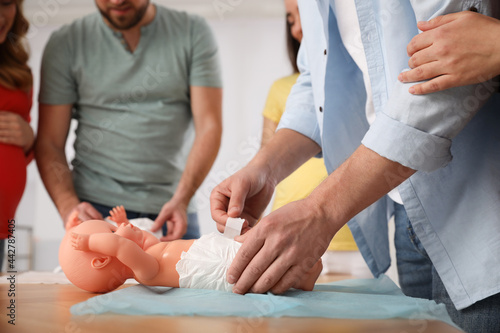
[
  {"x": 452, "y": 138},
  {"x": 350, "y": 299}
]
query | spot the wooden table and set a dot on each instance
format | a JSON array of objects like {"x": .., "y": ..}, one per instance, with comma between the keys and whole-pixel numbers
[{"x": 45, "y": 308}]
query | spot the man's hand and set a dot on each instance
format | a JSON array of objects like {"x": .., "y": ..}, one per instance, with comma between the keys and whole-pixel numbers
[
  {"x": 85, "y": 212},
  {"x": 288, "y": 242},
  {"x": 174, "y": 214},
  {"x": 14, "y": 130},
  {"x": 281, "y": 249},
  {"x": 453, "y": 50},
  {"x": 245, "y": 195}
]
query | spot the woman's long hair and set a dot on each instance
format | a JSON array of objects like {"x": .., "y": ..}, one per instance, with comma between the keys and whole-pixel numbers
[
  {"x": 14, "y": 70},
  {"x": 293, "y": 47}
]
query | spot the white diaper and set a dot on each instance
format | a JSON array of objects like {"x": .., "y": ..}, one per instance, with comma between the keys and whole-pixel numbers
[{"x": 205, "y": 264}]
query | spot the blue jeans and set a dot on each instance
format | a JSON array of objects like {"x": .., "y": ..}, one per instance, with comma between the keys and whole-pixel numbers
[
  {"x": 193, "y": 229},
  {"x": 480, "y": 317},
  {"x": 419, "y": 278},
  {"x": 414, "y": 266}
]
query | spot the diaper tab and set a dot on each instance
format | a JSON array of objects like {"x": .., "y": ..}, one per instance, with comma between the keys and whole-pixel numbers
[{"x": 233, "y": 227}]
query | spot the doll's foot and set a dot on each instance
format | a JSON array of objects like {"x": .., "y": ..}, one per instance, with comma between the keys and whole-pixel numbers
[{"x": 80, "y": 242}]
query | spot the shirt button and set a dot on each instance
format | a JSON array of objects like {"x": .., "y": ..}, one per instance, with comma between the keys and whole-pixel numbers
[
  {"x": 320, "y": 109},
  {"x": 324, "y": 52},
  {"x": 473, "y": 9}
]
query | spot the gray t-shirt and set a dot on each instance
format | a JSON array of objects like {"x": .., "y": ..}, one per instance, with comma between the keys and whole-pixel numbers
[{"x": 133, "y": 109}]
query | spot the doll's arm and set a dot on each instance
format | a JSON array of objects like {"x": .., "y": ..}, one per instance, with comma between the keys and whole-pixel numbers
[
  {"x": 118, "y": 215},
  {"x": 143, "y": 265},
  {"x": 149, "y": 240}
]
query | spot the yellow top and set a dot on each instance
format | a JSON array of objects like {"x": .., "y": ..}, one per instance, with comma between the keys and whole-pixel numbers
[{"x": 305, "y": 179}]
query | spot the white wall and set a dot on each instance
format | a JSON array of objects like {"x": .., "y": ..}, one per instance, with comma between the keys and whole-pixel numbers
[{"x": 253, "y": 54}]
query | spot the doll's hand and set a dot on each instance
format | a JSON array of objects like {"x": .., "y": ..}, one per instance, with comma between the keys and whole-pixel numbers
[
  {"x": 80, "y": 242},
  {"x": 118, "y": 215}
]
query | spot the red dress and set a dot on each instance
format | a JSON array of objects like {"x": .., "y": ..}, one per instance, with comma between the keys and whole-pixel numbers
[{"x": 13, "y": 162}]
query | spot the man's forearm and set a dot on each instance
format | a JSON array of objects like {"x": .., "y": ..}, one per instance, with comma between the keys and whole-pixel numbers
[
  {"x": 56, "y": 176},
  {"x": 284, "y": 153},
  {"x": 200, "y": 160},
  {"x": 360, "y": 181}
]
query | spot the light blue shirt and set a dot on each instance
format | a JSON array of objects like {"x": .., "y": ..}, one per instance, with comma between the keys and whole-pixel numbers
[{"x": 452, "y": 138}]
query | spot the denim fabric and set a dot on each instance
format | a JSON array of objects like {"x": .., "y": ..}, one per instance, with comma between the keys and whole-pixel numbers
[
  {"x": 193, "y": 229},
  {"x": 480, "y": 317},
  {"x": 414, "y": 266},
  {"x": 419, "y": 278}
]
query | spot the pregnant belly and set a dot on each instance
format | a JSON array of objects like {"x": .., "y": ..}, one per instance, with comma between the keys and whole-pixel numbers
[{"x": 12, "y": 178}]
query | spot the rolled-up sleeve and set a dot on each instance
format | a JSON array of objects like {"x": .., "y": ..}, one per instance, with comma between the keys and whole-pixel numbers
[
  {"x": 417, "y": 130},
  {"x": 300, "y": 112}
]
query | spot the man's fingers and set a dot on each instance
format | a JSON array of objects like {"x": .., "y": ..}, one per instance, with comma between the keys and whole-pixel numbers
[
  {"x": 159, "y": 222},
  {"x": 419, "y": 42},
  {"x": 244, "y": 234},
  {"x": 437, "y": 84},
  {"x": 221, "y": 228},
  {"x": 422, "y": 57},
  {"x": 173, "y": 232},
  {"x": 289, "y": 279},
  {"x": 272, "y": 275},
  {"x": 243, "y": 257},
  {"x": 90, "y": 212},
  {"x": 437, "y": 21},
  {"x": 421, "y": 73},
  {"x": 218, "y": 208},
  {"x": 239, "y": 193},
  {"x": 86, "y": 214},
  {"x": 253, "y": 272}
]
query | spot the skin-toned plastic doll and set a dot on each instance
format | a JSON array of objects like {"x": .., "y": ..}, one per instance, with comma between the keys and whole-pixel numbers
[{"x": 98, "y": 257}]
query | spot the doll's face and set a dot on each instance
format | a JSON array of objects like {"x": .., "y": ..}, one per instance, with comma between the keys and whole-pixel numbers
[
  {"x": 87, "y": 270},
  {"x": 131, "y": 232}
]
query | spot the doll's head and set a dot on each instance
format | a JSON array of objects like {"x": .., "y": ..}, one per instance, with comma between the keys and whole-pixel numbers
[{"x": 88, "y": 270}]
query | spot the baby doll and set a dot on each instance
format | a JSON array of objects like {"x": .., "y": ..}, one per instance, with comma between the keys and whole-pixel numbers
[{"x": 98, "y": 257}]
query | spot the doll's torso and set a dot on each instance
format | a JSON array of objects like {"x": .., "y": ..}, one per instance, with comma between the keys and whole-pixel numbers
[{"x": 167, "y": 254}]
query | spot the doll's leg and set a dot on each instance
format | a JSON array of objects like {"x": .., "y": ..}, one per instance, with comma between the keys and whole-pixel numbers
[
  {"x": 118, "y": 214},
  {"x": 309, "y": 279}
]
